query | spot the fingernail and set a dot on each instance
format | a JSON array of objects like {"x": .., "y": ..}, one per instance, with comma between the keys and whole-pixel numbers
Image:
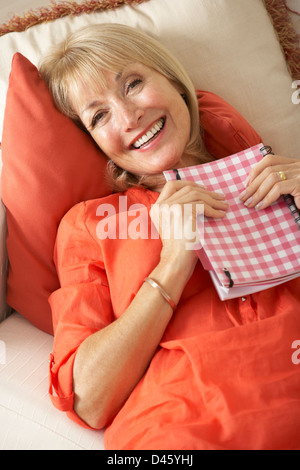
[
  {"x": 259, "y": 205},
  {"x": 249, "y": 202},
  {"x": 248, "y": 181},
  {"x": 243, "y": 194}
]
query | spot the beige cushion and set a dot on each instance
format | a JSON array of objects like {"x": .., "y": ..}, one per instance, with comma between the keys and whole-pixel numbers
[
  {"x": 229, "y": 47},
  {"x": 294, "y": 5}
]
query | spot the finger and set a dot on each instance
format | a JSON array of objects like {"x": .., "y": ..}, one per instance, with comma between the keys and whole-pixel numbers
[
  {"x": 268, "y": 161},
  {"x": 297, "y": 201},
  {"x": 207, "y": 211},
  {"x": 176, "y": 185},
  {"x": 169, "y": 189},
  {"x": 214, "y": 213},
  {"x": 279, "y": 189},
  {"x": 161, "y": 212},
  {"x": 263, "y": 184},
  {"x": 194, "y": 196},
  {"x": 172, "y": 188},
  {"x": 190, "y": 194},
  {"x": 260, "y": 188}
]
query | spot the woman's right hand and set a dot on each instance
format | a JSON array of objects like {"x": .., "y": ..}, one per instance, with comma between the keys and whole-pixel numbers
[{"x": 175, "y": 216}]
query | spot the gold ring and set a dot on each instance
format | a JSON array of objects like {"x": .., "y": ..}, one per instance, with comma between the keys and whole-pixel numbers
[{"x": 282, "y": 175}]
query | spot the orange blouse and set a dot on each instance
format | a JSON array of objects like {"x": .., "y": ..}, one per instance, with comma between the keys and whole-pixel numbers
[{"x": 223, "y": 375}]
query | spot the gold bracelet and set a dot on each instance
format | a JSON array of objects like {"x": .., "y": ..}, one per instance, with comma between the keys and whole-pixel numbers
[{"x": 163, "y": 293}]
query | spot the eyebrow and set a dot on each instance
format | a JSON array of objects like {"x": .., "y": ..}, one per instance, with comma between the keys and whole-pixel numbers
[
  {"x": 96, "y": 103},
  {"x": 119, "y": 76},
  {"x": 91, "y": 105}
]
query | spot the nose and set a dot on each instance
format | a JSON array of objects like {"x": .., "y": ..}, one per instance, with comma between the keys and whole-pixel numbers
[{"x": 130, "y": 116}]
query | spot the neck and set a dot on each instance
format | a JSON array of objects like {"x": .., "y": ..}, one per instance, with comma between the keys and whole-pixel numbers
[{"x": 157, "y": 182}]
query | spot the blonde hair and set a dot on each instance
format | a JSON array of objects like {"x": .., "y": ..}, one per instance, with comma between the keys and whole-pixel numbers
[{"x": 110, "y": 47}]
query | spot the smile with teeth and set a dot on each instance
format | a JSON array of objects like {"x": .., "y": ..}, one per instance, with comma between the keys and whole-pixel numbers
[{"x": 150, "y": 135}]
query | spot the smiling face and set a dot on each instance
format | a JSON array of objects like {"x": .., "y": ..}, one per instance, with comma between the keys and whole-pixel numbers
[{"x": 139, "y": 120}]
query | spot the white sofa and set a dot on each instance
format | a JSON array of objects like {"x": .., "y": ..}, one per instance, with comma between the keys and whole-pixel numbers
[{"x": 27, "y": 417}]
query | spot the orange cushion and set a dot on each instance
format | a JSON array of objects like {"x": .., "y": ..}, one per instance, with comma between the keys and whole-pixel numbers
[
  {"x": 225, "y": 131},
  {"x": 49, "y": 165}
]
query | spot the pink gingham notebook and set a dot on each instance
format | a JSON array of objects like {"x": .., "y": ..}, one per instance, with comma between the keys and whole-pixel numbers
[{"x": 248, "y": 250}]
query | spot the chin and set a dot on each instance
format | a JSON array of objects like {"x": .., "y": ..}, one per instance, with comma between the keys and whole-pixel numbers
[{"x": 169, "y": 164}]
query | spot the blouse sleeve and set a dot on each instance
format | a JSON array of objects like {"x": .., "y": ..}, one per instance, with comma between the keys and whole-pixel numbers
[{"x": 82, "y": 305}]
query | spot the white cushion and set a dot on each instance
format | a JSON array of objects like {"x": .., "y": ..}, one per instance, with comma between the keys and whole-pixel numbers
[
  {"x": 28, "y": 419},
  {"x": 229, "y": 47}
]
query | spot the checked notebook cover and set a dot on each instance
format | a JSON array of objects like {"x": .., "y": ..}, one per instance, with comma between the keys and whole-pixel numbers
[{"x": 247, "y": 247}]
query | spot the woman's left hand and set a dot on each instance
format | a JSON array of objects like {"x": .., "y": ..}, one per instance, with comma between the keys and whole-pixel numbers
[{"x": 271, "y": 178}]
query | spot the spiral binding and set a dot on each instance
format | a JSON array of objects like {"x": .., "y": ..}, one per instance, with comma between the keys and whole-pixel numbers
[
  {"x": 267, "y": 150},
  {"x": 231, "y": 282},
  {"x": 293, "y": 208},
  {"x": 178, "y": 177}
]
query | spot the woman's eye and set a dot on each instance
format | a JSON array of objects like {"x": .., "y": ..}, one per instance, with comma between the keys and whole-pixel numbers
[
  {"x": 134, "y": 84},
  {"x": 97, "y": 118}
]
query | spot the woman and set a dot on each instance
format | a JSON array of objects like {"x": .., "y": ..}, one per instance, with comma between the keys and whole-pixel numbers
[{"x": 137, "y": 321}]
